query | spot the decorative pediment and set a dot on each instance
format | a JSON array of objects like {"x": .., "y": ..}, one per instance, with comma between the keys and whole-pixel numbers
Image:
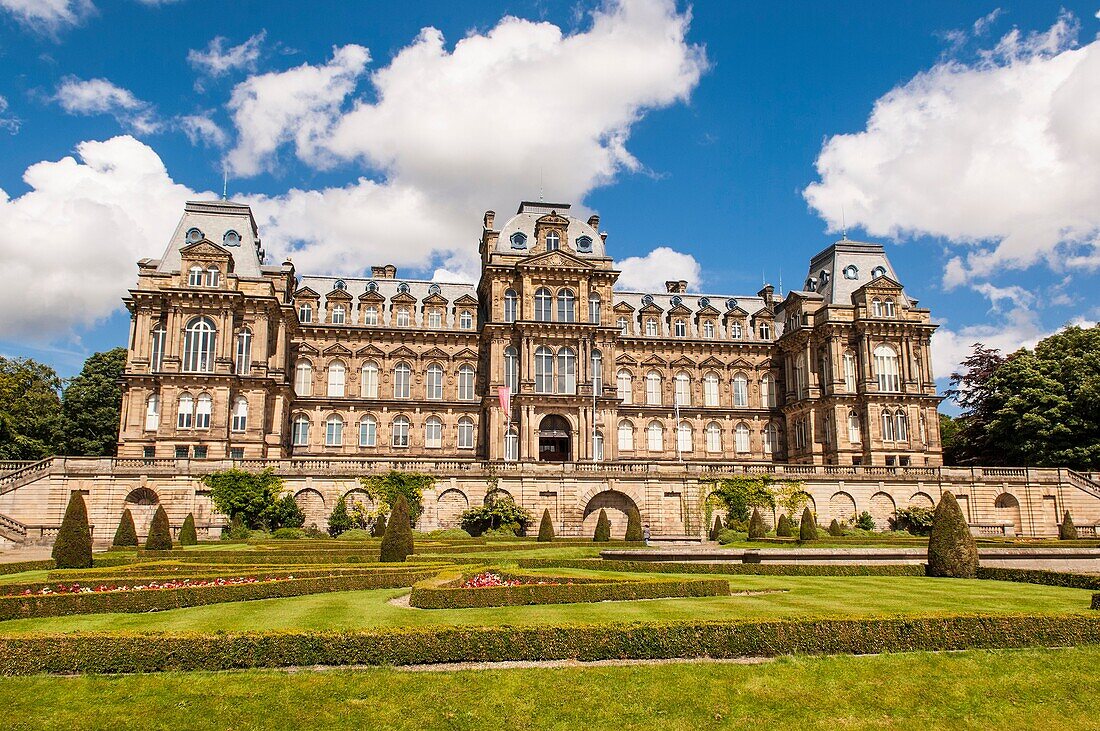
[
  {"x": 205, "y": 250},
  {"x": 764, "y": 313},
  {"x": 681, "y": 310},
  {"x": 465, "y": 354},
  {"x": 551, "y": 220},
  {"x": 435, "y": 354},
  {"x": 655, "y": 360},
  {"x": 435, "y": 299},
  {"x": 651, "y": 309},
  {"x": 306, "y": 293},
  {"x": 736, "y": 314},
  {"x": 624, "y": 307},
  {"x": 708, "y": 311},
  {"x": 625, "y": 359},
  {"x": 712, "y": 362},
  {"x": 466, "y": 301},
  {"x": 404, "y": 298},
  {"x": 741, "y": 363},
  {"x": 336, "y": 349},
  {"x": 338, "y": 294},
  {"x": 368, "y": 351},
  {"x": 403, "y": 352},
  {"x": 881, "y": 283},
  {"x": 371, "y": 297},
  {"x": 307, "y": 349},
  {"x": 554, "y": 259},
  {"x": 683, "y": 362}
]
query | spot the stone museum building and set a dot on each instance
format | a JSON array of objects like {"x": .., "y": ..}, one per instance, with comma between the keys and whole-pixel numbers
[{"x": 543, "y": 380}]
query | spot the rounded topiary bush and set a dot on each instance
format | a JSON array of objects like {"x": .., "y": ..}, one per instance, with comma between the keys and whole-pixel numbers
[
  {"x": 716, "y": 528},
  {"x": 783, "y": 527},
  {"x": 188, "y": 536},
  {"x": 951, "y": 547},
  {"x": 73, "y": 547},
  {"x": 160, "y": 534},
  {"x": 835, "y": 529},
  {"x": 546, "y": 527},
  {"x": 379, "y": 528},
  {"x": 757, "y": 529},
  {"x": 633, "y": 525},
  {"x": 126, "y": 533},
  {"x": 397, "y": 543},
  {"x": 807, "y": 529},
  {"x": 1067, "y": 531},
  {"x": 603, "y": 528}
]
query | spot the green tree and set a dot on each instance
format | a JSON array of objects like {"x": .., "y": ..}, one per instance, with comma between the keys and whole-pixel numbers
[
  {"x": 784, "y": 527},
  {"x": 73, "y": 547},
  {"x": 807, "y": 528},
  {"x": 951, "y": 547},
  {"x": 284, "y": 513},
  {"x": 716, "y": 528},
  {"x": 498, "y": 511},
  {"x": 603, "y": 528},
  {"x": 1067, "y": 531},
  {"x": 126, "y": 533},
  {"x": 950, "y": 440},
  {"x": 633, "y": 525},
  {"x": 188, "y": 535},
  {"x": 30, "y": 409},
  {"x": 248, "y": 496},
  {"x": 339, "y": 520},
  {"x": 757, "y": 529},
  {"x": 546, "y": 527},
  {"x": 384, "y": 489},
  {"x": 378, "y": 529},
  {"x": 835, "y": 529},
  {"x": 160, "y": 533},
  {"x": 90, "y": 406},
  {"x": 397, "y": 544}
]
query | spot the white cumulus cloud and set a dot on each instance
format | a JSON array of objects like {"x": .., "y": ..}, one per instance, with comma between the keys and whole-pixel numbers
[
  {"x": 201, "y": 129},
  {"x": 999, "y": 157},
  {"x": 48, "y": 16},
  {"x": 100, "y": 96},
  {"x": 218, "y": 60},
  {"x": 650, "y": 272},
  {"x": 8, "y": 122}
]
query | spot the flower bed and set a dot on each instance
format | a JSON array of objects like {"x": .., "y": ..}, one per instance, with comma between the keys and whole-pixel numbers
[
  {"x": 488, "y": 579},
  {"x": 77, "y": 588}
]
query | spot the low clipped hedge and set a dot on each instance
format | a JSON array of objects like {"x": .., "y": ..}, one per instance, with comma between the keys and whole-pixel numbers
[
  {"x": 134, "y": 653},
  {"x": 567, "y": 590},
  {"x": 454, "y": 549},
  {"x": 57, "y": 605},
  {"x": 751, "y": 569},
  {"x": 264, "y": 557},
  {"x": 19, "y": 567},
  {"x": 1096, "y": 601},
  {"x": 1041, "y": 576}
]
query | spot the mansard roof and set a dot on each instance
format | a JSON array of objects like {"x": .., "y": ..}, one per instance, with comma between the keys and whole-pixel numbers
[
  {"x": 419, "y": 290},
  {"x": 215, "y": 220},
  {"x": 528, "y": 215},
  {"x": 837, "y": 272}
]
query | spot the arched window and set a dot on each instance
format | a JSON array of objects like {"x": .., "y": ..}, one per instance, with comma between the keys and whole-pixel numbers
[
  {"x": 767, "y": 391},
  {"x": 886, "y": 368},
  {"x": 435, "y": 382},
  {"x": 511, "y": 369},
  {"x": 339, "y": 315},
  {"x": 740, "y": 390},
  {"x": 680, "y": 329},
  {"x": 624, "y": 326},
  {"x": 402, "y": 375},
  {"x": 511, "y": 305},
  {"x": 370, "y": 315},
  {"x": 465, "y": 433},
  {"x": 901, "y": 426},
  {"x": 299, "y": 433},
  {"x": 465, "y": 383},
  {"x": 403, "y": 319},
  {"x": 597, "y": 371},
  {"x": 156, "y": 357},
  {"x": 433, "y": 432},
  {"x": 735, "y": 331},
  {"x": 710, "y": 389},
  {"x": 683, "y": 389},
  {"x": 553, "y": 241},
  {"x": 204, "y": 406},
  {"x": 653, "y": 388},
  {"x": 194, "y": 235},
  {"x": 544, "y": 370},
  {"x": 336, "y": 378},
  {"x": 244, "y": 352},
  {"x": 851, "y": 272},
  {"x": 853, "y": 427},
  {"x": 799, "y": 375},
  {"x": 651, "y": 327},
  {"x": 511, "y": 445},
  {"x": 152, "y": 412},
  {"x": 567, "y": 305},
  {"x": 597, "y": 446},
  {"x": 878, "y": 272},
  {"x": 849, "y": 371},
  {"x": 626, "y": 436},
  {"x": 923, "y": 430},
  {"x": 625, "y": 385},
  {"x": 198, "y": 345},
  {"x": 370, "y": 380},
  {"x": 684, "y": 438},
  {"x": 655, "y": 437},
  {"x": 714, "y": 437},
  {"x": 403, "y": 288},
  {"x": 195, "y": 276},
  {"x": 771, "y": 439},
  {"x": 876, "y": 307},
  {"x": 240, "y": 414},
  {"x": 708, "y": 330},
  {"x": 466, "y": 320},
  {"x": 887, "y": 425},
  {"x": 213, "y": 276},
  {"x": 594, "y": 308},
  {"x": 544, "y": 302},
  {"x": 400, "y": 432},
  {"x": 368, "y": 431},
  {"x": 334, "y": 431},
  {"x": 888, "y": 308},
  {"x": 741, "y": 440},
  {"x": 305, "y": 313},
  {"x": 231, "y": 238},
  {"x": 567, "y": 370}
]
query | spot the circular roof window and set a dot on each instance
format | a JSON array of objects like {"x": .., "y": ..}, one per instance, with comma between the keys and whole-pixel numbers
[
  {"x": 194, "y": 235},
  {"x": 584, "y": 243},
  {"x": 231, "y": 238},
  {"x": 519, "y": 240},
  {"x": 731, "y": 303}
]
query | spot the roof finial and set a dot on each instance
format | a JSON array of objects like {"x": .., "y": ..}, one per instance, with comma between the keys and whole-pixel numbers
[
  {"x": 780, "y": 281},
  {"x": 843, "y": 224},
  {"x": 225, "y": 182},
  {"x": 540, "y": 184}
]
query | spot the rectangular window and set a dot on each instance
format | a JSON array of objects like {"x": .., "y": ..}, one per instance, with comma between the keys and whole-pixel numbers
[
  {"x": 403, "y": 317},
  {"x": 651, "y": 328},
  {"x": 200, "y": 451},
  {"x": 652, "y": 391},
  {"x": 368, "y": 433},
  {"x": 433, "y": 433},
  {"x": 305, "y": 314},
  {"x": 181, "y": 452},
  {"x": 148, "y": 452},
  {"x": 370, "y": 316},
  {"x": 338, "y": 316},
  {"x": 710, "y": 391},
  {"x": 435, "y": 319},
  {"x": 156, "y": 359},
  {"x": 850, "y": 372},
  {"x": 152, "y": 413},
  {"x": 625, "y": 383},
  {"x": 236, "y": 453}
]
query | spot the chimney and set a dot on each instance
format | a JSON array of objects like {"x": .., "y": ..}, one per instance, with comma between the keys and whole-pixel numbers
[
  {"x": 389, "y": 271},
  {"x": 487, "y": 222},
  {"x": 676, "y": 286},
  {"x": 594, "y": 222},
  {"x": 603, "y": 236},
  {"x": 766, "y": 293}
]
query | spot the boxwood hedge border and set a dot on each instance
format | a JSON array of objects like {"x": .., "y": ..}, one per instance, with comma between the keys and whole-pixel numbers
[{"x": 753, "y": 569}]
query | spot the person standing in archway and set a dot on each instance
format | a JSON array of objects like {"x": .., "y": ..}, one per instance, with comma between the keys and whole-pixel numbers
[{"x": 645, "y": 533}]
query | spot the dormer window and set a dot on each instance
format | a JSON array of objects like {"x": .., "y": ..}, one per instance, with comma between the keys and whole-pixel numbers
[
  {"x": 553, "y": 241},
  {"x": 194, "y": 236},
  {"x": 305, "y": 314},
  {"x": 677, "y": 301},
  {"x": 339, "y": 315},
  {"x": 811, "y": 284},
  {"x": 765, "y": 331},
  {"x": 584, "y": 243},
  {"x": 823, "y": 277},
  {"x": 402, "y": 288},
  {"x": 372, "y": 286},
  {"x": 231, "y": 238},
  {"x": 647, "y": 300},
  {"x": 680, "y": 328},
  {"x": 519, "y": 240},
  {"x": 195, "y": 276},
  {"x": 434, "y": 289},
  {"x": 704, "y": 302},
  {"x": 851, "y": 272},
  {"x": 340, "y": 285},
  {"x": 878, "y": 272},
  {"x": 651, "y": 328},
  {"x": 466, "y": 320},
  {"x": 731, "y": 304},
  {"x": 435, "y": 319},
  {"x": 403, "y": 317}
]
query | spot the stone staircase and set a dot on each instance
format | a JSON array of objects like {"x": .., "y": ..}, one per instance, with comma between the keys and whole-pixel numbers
[
  {"x": 12, "y": 530},
  {"x": 24, "y": 475},
  {"x": 1085, "y": 483}
]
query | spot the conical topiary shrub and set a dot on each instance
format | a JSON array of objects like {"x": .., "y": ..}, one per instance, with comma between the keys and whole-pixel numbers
[
  {"x": 160, "y": 534},
  {"x": 633, "y": 525},
  {"x": 784, "y": 528},
  {"x": 716, "y": 528},
  {"x": 126, "y": 534},
  {"x": 1067, "y": 531},
  {"x": 603, "y": 528},
  {"x": 379, "y": 528},
  {"x": 546, "y": 527},
  {"x": 73, "y": 547},
  {"x": 807, "y": 529},
  {"x": 188, "y": 536},
  {"x": 757, "y": 529},
  {"x": 397, "y": 543},
  {"x": 835, "y": 529},
  {"x": 951, "y": 548}
]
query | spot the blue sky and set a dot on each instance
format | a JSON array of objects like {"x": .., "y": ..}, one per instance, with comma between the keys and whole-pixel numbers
[{"x": 719, "y": 142}]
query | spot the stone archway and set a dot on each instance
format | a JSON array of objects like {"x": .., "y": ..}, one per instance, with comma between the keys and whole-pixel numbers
[
  {"x": 883, "y": 510},
  {"x": 1007, "y": 508},
  {"x": 449, "y": 507},
  {"x": 312, "y": 504},
  {"x": 555, "y": 444},
  {"x": 616, "y": 504},
  {"x": 842, "y": 507},
  {"x": 922, "y": 500},
  {"x": 142, "y": 504}
]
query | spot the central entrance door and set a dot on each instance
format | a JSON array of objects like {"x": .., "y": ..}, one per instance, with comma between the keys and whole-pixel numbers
[{"x": 554, "y": 439}]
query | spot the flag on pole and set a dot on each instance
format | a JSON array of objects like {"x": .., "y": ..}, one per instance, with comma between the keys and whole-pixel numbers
[{"x": 505, "y": 395}]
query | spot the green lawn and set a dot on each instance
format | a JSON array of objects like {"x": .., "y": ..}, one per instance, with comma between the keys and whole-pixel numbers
[
  {"x": 1020, "y": 689},
  {"x": 802, "y": 597}
]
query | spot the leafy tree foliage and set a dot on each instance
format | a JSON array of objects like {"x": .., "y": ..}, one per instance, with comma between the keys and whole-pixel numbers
[
  {"x": 603, "y": 528},
  {"x": 865, "y": 521},
  {"x": 126, "y": 533},
  {"x": 916, "y": 520},
  {"x": 807, "y": 529},
  {"x": 379, "y": 528},
  {"x": 951, "y": 548},
  {"x": 634, "y": 525},
  {"x": 90, "y": 406},
  {"x": 188, "y": 535},
  {"x": 498, "y": 511},
  {"x": 284, "y": 513},
  {"x": 384, "y": 490},
  {"x": 160, "y": 533},
  {"x": 30, "y": 409},
  {"x": 397, "y": 544},
  {"x": 546, "y": 527},
  {"x": 73, "y": 547},
  {"x": 246, "y": 496},
  {"x": 339, "y": 520},
  {"x": 740, "y": 494}
]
